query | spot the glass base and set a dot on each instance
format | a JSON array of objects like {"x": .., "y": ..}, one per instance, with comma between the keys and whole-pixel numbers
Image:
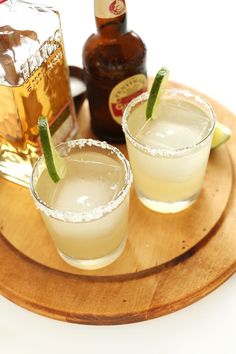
[
  {"x": 167, "y": 207},
  {"x": 92, "y": 264}
]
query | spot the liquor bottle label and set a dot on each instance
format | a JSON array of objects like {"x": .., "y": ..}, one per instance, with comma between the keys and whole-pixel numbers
[
  {"x": 44, "y": 92},
  {"x": 109, "y": 8},
  {"x": 123, "y": 93}
]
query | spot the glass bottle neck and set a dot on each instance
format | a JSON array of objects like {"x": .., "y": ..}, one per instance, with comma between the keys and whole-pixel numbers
[
  {"x": 110, "y": 17},
  {"x": 112, "y": 27}
]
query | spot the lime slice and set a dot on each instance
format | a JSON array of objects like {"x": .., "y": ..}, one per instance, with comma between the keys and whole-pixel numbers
[
  {"x": 157, "y": 89},
  {"x": 221, "y": 135},
  {"x": 55, "y": 164}
]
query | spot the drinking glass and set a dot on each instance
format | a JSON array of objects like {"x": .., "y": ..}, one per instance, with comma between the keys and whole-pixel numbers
[
  {"x": 86, "y": 212},
  {"x": 169, "y": 155}
]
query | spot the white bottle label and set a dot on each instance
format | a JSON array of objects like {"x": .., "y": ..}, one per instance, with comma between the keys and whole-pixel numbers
[
  {"x": 123, "y": 93},
  {"x": 109, "y": 8}
]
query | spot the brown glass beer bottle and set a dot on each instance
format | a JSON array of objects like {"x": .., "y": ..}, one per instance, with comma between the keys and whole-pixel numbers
[{"x": 114, "y": 62}]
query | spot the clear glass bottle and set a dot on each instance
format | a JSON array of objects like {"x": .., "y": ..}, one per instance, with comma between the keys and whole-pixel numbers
[{"x": 34, "y": 81}]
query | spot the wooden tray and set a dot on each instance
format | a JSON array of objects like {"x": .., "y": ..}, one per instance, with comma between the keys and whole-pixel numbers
[{"x": 169, "y": 262}]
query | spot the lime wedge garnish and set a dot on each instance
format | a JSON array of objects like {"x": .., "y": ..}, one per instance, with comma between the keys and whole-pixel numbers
[
  {"x": 221, "y": 135},
  {"x": 55, "y": 164},
  {"x": 157, "y": 89}
]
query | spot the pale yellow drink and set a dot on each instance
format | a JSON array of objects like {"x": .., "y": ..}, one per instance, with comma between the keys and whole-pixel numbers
[
  {"x": 169, "y": 155},
  {"x": 90, "y": 206}
]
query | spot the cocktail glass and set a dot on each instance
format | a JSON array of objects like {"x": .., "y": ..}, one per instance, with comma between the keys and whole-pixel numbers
[
  {"x": 169, "y": 155},
  {"x": 86, "y": 212}
]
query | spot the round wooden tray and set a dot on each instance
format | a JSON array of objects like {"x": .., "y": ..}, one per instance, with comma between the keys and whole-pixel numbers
[{"x": 169, "y": 262}]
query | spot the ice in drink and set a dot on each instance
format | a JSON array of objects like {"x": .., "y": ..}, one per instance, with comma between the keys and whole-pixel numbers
[
  {"x": 86, "y": 212},
  {"x": 169, "y": 154}
]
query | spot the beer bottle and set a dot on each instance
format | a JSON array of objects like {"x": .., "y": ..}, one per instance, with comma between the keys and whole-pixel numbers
[{"x": 114, "y": 61}]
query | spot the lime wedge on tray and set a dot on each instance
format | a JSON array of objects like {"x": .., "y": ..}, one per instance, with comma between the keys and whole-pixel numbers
[
  {"x": 157, "y": 89},
  {"x": 55, "y": 164},
  {"x": 221, "y": 135}
]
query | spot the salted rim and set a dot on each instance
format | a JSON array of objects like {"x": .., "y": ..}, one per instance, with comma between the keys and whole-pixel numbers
[
  {"x": 171, "y": 152},
  {"x": 96, "y": 213}
]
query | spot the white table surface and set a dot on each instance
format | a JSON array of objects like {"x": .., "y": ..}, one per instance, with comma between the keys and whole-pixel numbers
[{"x": 196, "y": 41}]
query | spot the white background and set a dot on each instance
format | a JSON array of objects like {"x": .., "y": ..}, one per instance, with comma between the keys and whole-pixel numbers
[{"x": 196, "y": 41}]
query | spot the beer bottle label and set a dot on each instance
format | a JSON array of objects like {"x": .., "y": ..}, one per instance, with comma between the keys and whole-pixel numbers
[
  {"x": 123, "y": 93},
  {"x": 109, "y": 8}
]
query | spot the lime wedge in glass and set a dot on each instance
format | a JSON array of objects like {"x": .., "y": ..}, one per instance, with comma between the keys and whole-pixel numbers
[
  {"x": 55, "y": 164},
  {"x": 221, "y": 135},
  {"x": 158, "y": 86}
]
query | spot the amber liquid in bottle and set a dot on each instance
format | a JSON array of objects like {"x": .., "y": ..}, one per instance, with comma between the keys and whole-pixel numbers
[
  {"x": 33, "y": 82},
  {"x": 114, "y": 61}
]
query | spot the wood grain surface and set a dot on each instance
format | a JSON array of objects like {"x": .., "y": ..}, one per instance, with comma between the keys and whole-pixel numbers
[{"x": 169, "y": 262}]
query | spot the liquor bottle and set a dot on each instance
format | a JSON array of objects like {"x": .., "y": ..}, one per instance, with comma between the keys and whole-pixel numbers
[
  {"x": 34, "y": 81},
  {"x": 114, "y": 61}
]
